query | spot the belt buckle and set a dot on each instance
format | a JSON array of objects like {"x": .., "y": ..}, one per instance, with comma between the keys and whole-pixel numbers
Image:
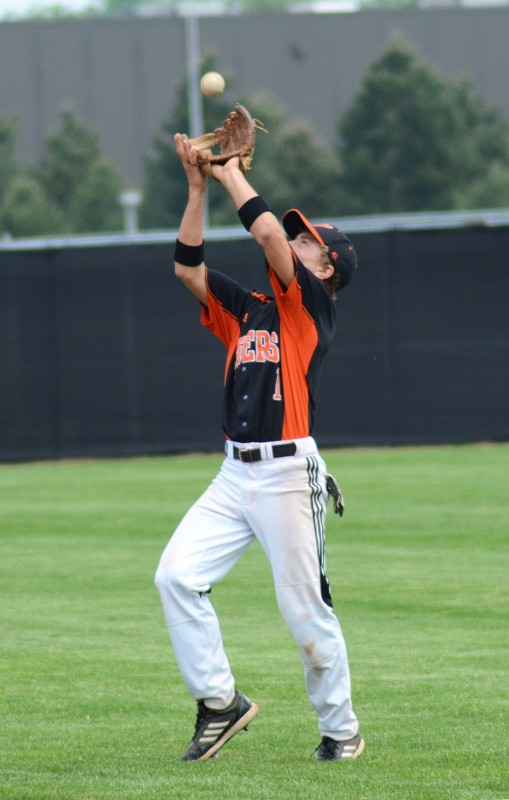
[{"x": 247, "y": 454}]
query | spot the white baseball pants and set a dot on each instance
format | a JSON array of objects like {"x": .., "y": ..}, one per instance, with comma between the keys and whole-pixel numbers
[{"x": 282, "y": 503}]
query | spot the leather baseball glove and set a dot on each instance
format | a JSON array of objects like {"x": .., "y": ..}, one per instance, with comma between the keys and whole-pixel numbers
[{"x": 235, "y": 137}]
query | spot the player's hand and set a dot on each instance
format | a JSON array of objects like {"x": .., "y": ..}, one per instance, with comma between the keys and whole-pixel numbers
[
  {"x": 188, "y": 157},
  {"x": 222, "y": 172}
]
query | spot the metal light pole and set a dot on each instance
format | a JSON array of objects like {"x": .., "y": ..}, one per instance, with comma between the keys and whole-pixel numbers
[{"x": 194, "y": 97}]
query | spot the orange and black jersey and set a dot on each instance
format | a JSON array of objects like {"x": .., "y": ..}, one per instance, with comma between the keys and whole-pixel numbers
[{"x": 275, "y": 346}]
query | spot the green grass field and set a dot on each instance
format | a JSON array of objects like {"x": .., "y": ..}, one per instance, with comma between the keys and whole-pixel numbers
[{"x": 91, "y": 703}]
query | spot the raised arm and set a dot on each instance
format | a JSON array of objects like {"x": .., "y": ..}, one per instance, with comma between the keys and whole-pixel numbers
[
  {"x": 265, "y": 227},
  {"x": 190, "y": 235}
]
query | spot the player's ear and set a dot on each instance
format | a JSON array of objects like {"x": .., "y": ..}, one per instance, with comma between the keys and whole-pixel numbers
[{"x": 325, "y": 272}]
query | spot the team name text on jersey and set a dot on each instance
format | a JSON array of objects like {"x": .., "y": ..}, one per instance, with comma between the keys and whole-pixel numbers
[{"x": 257, "y": 347}]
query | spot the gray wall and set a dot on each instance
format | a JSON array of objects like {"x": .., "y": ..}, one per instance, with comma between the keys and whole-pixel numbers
[{"x": 120, "y": 76}]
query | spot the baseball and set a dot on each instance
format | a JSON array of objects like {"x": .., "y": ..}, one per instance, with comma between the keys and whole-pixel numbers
[{"x": 212, "y": 84}]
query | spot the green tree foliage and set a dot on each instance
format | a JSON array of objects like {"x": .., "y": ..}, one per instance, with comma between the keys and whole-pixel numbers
[
  {"x": 94, "y": 205},
  {"x": 78, "y": 180},
  {"x": 377, "y": 4},
  {"x": 122, "y": 8},
  {"x": 491, "y": 191},
  {"x": 260, "y": 6},
  {"x": 26, "y": 210},
  {"x": 412, "y": 141},
  {"x": 131, "y": 7},
  {"x": 69, "y": 152},
  {"x": 290, "y": 167},
  {"x": 73, "y": 189},
  {"x": 8, "y": 166}
]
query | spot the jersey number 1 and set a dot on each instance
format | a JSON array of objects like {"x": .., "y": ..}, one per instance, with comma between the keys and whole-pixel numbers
[{"x": 277, "y": 390}]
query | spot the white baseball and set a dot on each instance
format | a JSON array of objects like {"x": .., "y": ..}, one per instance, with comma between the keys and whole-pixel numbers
[{"x": 212, "y": 84}]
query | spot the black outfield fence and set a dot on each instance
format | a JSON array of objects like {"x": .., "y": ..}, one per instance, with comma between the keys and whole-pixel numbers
[{"x": 101, "y": 351}]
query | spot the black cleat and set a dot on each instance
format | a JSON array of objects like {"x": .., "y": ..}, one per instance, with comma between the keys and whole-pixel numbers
[
  {"x": 214, "y": 728},
  {"x": 331, "y": 750}
]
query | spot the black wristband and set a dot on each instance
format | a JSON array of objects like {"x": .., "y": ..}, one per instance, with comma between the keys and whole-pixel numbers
[
  {"x": 251, "y": 210},
  {"x": 190, "y": 255}
]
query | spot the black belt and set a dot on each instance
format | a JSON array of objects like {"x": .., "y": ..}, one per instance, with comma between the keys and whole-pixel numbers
[{"x": 250, "y": 454}]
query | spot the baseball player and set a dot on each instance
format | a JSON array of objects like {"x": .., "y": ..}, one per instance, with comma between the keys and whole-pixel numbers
[{"x": 272, "y": 485}]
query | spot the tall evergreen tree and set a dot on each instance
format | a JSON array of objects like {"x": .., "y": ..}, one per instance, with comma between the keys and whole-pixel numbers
[
  {"x": 413, "y": 141},
  {"x": 79, "y": 180}
]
